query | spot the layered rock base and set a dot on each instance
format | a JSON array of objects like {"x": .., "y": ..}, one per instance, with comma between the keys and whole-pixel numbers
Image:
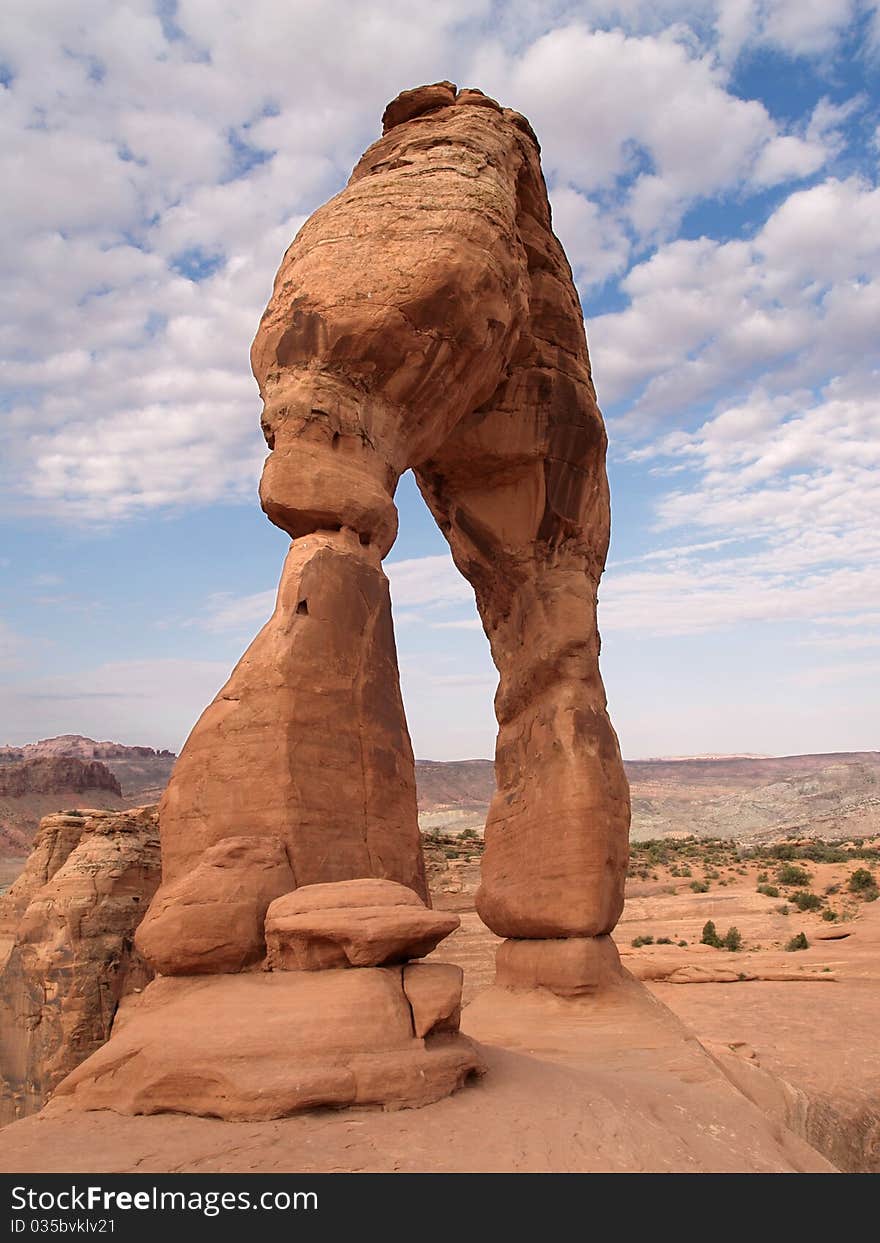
[{"x": 334, "y": 1014}]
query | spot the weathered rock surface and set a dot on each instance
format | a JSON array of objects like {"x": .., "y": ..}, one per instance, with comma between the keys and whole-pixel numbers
[
  {"x": 265, "y": 1045},
  {"x": 433, "y": 990},
  {"x": 357, "y": 923},
  {"x": 72, "y": 916},
  {"x": 211, "y": 919},
  {"x": 609, "y": 1083},
  {"x": 307, "y": 741},
  {"x": 569, "y": 966}
]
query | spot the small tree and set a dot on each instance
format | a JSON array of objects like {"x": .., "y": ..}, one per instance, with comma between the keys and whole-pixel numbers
[
  {"x": 799, "y": 942},
  {"x": 710, "y": 935},
  {"x": 861, "y": 880},
  {"x": 733, "y": 939}
]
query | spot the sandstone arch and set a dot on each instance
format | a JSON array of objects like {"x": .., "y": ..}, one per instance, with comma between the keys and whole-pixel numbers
[{"x": 426, "y": 318}]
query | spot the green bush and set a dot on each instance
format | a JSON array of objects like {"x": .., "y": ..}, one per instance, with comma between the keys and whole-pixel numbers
[
  {"x": 699, "y": 886},
  {"x": 861, "y": 880},
  {"x": 733, "y": 939},
  {"x": 638, "y": 942},
  {"x": 829, "y": 916},
  {"x": 790, "y": 874},
  {"x": 783, "y": 910},
  {"x": 805, "y": 901},
  {"x": 799, "y": 942},
  {"x": 763, "y": 878},
  {"x": 710, "y": 935},
  {"x": 664, "y": 940},
  {"x": 769, "y": 891}
]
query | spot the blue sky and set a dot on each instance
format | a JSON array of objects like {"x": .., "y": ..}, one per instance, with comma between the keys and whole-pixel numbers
[{"x": 713, "y": 168}]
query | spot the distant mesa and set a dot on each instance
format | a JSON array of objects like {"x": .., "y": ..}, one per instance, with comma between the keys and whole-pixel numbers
[{"x": 71, "y": 771}]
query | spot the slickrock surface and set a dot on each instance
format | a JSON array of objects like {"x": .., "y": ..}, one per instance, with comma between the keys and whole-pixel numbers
[
  {"x": 266, "y": 1045},
  {"x": 69, "y": 922},
  {"x": 588, "y": 1084}
]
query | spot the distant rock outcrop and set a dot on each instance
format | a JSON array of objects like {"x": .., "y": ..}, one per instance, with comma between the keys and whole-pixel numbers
[
  {"x": 34, "y": 787},
  {"x": 47, "y": 775},
  {"x": 142, "y": 772},
  {"x": 66, "y": 946}
]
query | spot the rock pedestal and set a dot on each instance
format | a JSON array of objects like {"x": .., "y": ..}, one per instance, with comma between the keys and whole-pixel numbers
[{"x": 327, "y": 1021}]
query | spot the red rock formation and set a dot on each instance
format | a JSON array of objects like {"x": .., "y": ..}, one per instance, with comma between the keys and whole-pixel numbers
[
  {"x": 48, "y": 775},
  {"x": 71, "y": 916},
  {"x": 307, "y": 741},
  {"x": 337, "y": 1017},
  {"x": 424, "y": 318}
]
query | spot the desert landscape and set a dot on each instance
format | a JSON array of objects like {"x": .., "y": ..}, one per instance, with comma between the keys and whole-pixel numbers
[
  {"x": 792, "y": 911},
  {"x": 295, "y": 947}
]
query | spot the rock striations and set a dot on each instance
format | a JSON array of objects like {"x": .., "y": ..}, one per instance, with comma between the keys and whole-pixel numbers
[{"x": 67, "y": 925}]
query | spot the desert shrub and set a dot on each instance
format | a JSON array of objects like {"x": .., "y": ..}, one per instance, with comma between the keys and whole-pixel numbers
[
  {"x": 74, "y": 811},
  {"x": 830, "y": 889},
  {"x": 638, "y": 942},
  {"x": 783, "y": 910},
  {"x": 469, "y": 835},
  {"x": 699, "y": 886},
  {"x": 733, "y": 939},
  {"x": 763, "y": 878},
  {"x": 861, "y": 880},
  {"x": 710, "y": 935},
  {"x": 769, "y": 891},
  {"x": 828, "y": 915},
  {"x": 799, "y": 942},
  {"x": 664, "y": 940},
  {"x": 682, "y": 944},
  {"x": 710, "y": 875},
  {"x": 822, "y": 852},
  {"x": 783, "y": 852},
  {"x": 805, "y": 901},
  {"x": 789, "y": 874}
]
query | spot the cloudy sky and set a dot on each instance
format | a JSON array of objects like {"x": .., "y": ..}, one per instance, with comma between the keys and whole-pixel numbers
[{"x": 713, "y": 167}]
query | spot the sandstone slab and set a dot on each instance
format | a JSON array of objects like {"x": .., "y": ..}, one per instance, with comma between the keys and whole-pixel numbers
[
  {"x": 266, "y": 1045},
  {"x": 359, "y": 923}
]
